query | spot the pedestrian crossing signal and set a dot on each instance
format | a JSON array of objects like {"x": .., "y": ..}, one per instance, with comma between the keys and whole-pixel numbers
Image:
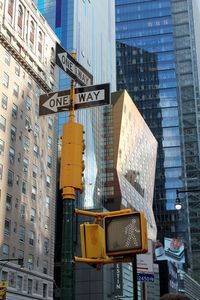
[
  {"x": 125, "y": 234},
  {"x": 3, "y": 289}
]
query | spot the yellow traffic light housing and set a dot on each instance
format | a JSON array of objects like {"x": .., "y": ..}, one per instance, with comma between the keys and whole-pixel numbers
[
  {"x": 92, "y": 241},
  {"x": 3, "y": 289},
  {"x": 72, "y": 165},
  {"x": 125, "y": 234}
]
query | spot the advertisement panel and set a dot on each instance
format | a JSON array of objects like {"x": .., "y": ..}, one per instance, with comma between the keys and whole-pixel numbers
[{"x": 173, "y": 250}]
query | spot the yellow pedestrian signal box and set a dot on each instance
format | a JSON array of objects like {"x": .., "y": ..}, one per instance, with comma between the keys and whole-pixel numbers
[
  {"x": 3, "y": 289},
  {"x": 72, "y": 165},
  {"x": 125, "y": 234},
  {"x": 92, "y": 241}
]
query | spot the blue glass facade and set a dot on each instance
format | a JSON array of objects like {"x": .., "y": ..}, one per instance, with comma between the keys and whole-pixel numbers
[
  {"x": 89, "y": 28},
  {"x": 153, "y": 86},
  {"x": 157, "y": 64}
]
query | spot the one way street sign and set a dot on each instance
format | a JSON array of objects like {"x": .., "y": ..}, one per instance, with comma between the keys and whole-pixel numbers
[
  {"x": 75, "y": 70},
  {"x": 88, "y": 96}
]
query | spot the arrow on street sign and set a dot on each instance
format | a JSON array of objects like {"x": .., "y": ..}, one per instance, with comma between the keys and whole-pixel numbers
[
  {"x": 75, "y": 70},
  {"x": 88, "y": 96}
]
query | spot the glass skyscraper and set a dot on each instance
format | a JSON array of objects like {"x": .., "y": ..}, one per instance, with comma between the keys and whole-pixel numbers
[
  {"x": 157, "y": 62},
  {"x": 89, "y": 28}
]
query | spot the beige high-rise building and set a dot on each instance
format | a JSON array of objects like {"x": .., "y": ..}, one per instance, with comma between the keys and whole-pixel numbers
[{"x": 28, "y": 152}]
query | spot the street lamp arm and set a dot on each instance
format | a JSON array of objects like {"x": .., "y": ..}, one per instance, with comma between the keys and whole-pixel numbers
[
  {"x": 178, "y": 202},
  {"x": 186, "y": 191}
]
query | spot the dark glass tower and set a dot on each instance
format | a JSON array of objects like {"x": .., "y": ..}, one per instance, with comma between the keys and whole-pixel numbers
[{"x": 157, "y": 62}]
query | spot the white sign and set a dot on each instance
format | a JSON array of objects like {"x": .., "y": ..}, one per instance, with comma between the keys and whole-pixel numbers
[{"x": 145, "y": 261}]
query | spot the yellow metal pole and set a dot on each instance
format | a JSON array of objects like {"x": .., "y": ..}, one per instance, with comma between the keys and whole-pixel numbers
[
  {"x": 69, "y": 193},
  {"x": 72, "y": 95},
  {"x": 103, "y": 261},
  {"x": 99, "y": 215}
]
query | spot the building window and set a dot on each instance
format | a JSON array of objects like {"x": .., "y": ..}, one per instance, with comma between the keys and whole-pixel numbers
[
  {"x": 34, "y": 192},
  {"x": 36, "y": 110},
  {"x": 22, "y": 211},
  {"x": 2, "y": 145},
  {"x": 16, "y": 89},
  {"x": 109, "y": 191},
  {"x": 34, "y": 171},
  {"x": 30, "y": 262},
  {"x": 19, "y": 283},
  {"x": 13, "y": 131},
  {"x": 4, "y": 276},
  {"x": 7, "y": 227},
  {"x": 17, "y": 179},
  {"x": 45, "y": 267},
  {"x": 10, "y": 177},
  {"x": 10, "y": 10},
  {"x": 25, "y": 165},
  {"x": 52, "y": 69},
  {"x": 1, "y": 171},
  {"x": 30, "y": 286},
  {"x": 17, "y": 69},
  {"x": 44, "y": 291},
  {"x": 14, "y": 111},
  {"x": 52, "y": 54},
  {"x": 49, "y": 142},
  {"x": 28, "y": 124},
  {"x": 30, "y": 83},
  {"x": 12, "y": 155},
  {"x": 26, "y": 143},
  {"x": 35, "y": 150},
  {"x": 5, "y": 79},
  {"x": 20, "y": 254},
  {"x": 20, "y": 20},
  {"x": 7, "y": 58},
  {"x": 32, "y": 35},
  {"x": 24, "y": 187},
  {"x": 31, "y": 237},
  {"x": 46, "y": 223},
  {"x": 5, "y": 250},
  {"x": 33, "y": 214},
  {"x": 21, "y": 233},
  {"x": 28, "y": 103},
  {"x": 46, "y": 246},
  {"x": 36, "y": 130},
  {"x": 48, "y": 181},
  {"x": 49, "y": 161},
  {"x": 4, "y": 101},
  {"x": 47, "y": 202},
  {"x": 40, "y": 45},
  {"x": 8, "y": 202},
  {"x": 2, "y": 123}
]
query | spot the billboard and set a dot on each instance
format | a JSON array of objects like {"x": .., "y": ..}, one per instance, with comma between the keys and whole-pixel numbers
[{"x": 173, "y": 250}]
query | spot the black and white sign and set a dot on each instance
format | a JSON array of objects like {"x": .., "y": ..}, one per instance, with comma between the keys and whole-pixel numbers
[
  {"x": 75, "y": 70},
  {"x": 85, "y": 97},
  {"x": 118, "y": 279}
]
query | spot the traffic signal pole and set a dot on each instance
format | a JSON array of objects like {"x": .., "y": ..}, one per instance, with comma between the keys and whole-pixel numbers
[
  {"x": 68, "y": 196},
  {"x": 134, "y": 272}
]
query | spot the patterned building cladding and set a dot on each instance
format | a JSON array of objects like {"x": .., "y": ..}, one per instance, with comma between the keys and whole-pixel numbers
[{"x": 131, "y": 158}]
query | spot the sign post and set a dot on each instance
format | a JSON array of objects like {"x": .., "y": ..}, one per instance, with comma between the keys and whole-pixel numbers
[{"x": 72, "y": 150}]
